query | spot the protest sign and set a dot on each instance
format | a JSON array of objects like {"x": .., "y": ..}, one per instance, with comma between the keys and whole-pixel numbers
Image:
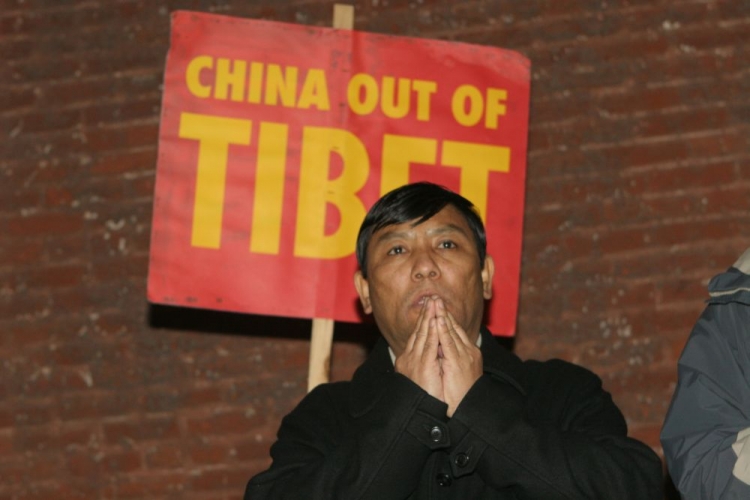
[{"x": 276, "y": 138}]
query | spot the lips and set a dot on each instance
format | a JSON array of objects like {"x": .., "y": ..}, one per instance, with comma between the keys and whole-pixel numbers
[
  {"x": 422, "y": 296},
  {"x": 422, "y": 299}
]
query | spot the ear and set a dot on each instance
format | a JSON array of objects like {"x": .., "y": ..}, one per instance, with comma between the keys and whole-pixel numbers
[
  {"x": 488, "y": 271},
  {"x": 363, "y": 290}
]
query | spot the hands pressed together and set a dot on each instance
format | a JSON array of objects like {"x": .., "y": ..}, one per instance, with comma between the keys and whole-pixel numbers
[{"x": 439, "y": 356}]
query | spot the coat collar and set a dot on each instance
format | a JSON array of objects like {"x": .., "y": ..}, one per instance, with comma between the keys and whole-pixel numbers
[
  {"x": 500, "y": 362},
  {"x": 368, "y": 385}
]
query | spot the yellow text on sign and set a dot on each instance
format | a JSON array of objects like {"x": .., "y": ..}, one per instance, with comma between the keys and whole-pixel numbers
[
  {"x": 257, "y": 83},
  {"x": 469, "y": 106},
  {"x": 364, "y": 93},
  {"x": 316, "y": 189}
]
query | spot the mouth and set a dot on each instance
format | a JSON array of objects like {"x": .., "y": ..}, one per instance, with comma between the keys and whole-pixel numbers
[{"x": 420, "y": 300}]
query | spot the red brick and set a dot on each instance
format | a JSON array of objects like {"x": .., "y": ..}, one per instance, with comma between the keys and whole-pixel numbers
[
  {"x": 649, "y": 99},
  {"x": 45, "y": 224},
  {"x": 16, "y": 98},
  {"x": 235, "y": 477},
  {"x": 18, "y": 253},
  {"x": 6, "y": 442},
  {"x": 78, "y": 435},
  {"x": 36, "y": 438},
  {"x": 42, "y": 121},
  {"x": 254, "y": 450},
  {"x": 116, "y": 138},
  {"x": 92, "y": 463},
  {"x": 34, "y": 412},
  {"x": 124, "y": 111},
  {"x": 95, "y": 404},
  {"x": 25, "y": 307},
  {"x": 693, "y": 176},
  {"x": 99, "y": 88},
  {"x": 210, "y": 453},
  {"x": 142, "y": 429},
  {"x": 71, "y": 299},
  {"x": 143, "y": 186},
  {"x": 76, "y": 352},
  {"x": 228, "y": 422},
  {"x": 114, "y": 321},
  {"x": 83, "y": 489},
  {"x": 52, "y": 277},
  {"x": 165, "y": 456},
  {"x": 643, "y": 396},
  {"x": 125, "y": 161},
  {"x": 203, "y": 396},
  {"x": 14, "y": 200},
  {"x": 45, "y": 380},
  {"x": 65, "y": 248},
  {"x": 152, "y": 484}
]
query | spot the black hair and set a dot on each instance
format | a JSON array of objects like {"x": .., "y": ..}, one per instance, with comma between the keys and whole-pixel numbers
[{"x": 417, "y": 202}]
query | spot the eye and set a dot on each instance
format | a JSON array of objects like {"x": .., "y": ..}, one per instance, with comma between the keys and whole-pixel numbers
[
  {"x": 447, "y": 244},
  {"x": 396, "y": 250}
]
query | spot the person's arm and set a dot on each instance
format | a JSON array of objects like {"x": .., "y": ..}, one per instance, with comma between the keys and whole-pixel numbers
[
  {"x": 706, "y": 431},
  {"x": 569, "y": 441},
  {"x": 324, "y": 453}
]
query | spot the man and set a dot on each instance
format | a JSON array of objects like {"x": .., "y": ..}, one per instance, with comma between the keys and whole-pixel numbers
[
  {"x": 706, "y": 434},
  {"x": 439, "y": 409}
]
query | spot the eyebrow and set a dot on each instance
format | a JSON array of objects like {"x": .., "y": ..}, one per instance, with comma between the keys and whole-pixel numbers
[{"x": 446, "y": 229}]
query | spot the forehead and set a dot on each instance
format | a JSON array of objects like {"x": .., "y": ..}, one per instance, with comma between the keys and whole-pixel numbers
[{"x": 447, "y": 220}]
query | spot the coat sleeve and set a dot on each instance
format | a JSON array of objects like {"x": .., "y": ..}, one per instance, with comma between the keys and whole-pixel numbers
[
  {"x": 325, "y": 453},
  {"x": 706, "y": 434},
  {"x": 567, "y": 441}
]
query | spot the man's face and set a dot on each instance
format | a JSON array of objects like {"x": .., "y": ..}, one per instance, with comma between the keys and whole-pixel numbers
[{"x": 407, "y": 263}]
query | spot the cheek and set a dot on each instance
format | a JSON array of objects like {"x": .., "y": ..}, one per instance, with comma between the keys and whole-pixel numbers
[
  {"x": 390, "y": 299},
  {"x": 380, "y": 295}
]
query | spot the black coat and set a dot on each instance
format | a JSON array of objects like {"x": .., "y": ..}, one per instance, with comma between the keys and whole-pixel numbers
[{"x": 525, "y": 430}]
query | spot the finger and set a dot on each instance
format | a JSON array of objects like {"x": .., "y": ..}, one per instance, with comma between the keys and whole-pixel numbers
[
  {"x": 422, "y": 315},
  {"x": 449, "y": 322},
  {"x": 430, "y": 348},
  {"x": 422, "y": 333},
  {"x": 458, "y": 331},
  {"x": 448, "y": 340},
  {"x": 418, "y": 329},
  {"x": 410, "y": 342}
]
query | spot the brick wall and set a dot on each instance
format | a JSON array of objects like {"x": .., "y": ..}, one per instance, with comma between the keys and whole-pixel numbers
[{"x": 638, "y": 192}]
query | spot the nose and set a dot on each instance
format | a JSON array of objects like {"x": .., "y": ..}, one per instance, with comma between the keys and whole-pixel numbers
[{"x": 424, "y": 267}]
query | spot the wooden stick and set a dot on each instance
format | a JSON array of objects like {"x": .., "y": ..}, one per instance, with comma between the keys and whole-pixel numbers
[
  {"x": 321, "y": 341},
  {"x": 321, "y": 344},
  {"x": 343, "y": 16}
]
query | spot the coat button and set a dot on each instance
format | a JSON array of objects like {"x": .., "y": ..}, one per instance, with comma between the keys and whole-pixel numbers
[
  {"x": 461, "y": 460},
  {"x": 436, "y": 433},
  {"x": 443, "y": 479}
]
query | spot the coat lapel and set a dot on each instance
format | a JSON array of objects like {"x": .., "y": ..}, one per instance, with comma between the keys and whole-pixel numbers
[
  {"x": 500, "y": 362},
  {"x": 367, "y": 387}
]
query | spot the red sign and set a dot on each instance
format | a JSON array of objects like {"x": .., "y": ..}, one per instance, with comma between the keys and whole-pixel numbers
[{"x": 276, "y": 138}]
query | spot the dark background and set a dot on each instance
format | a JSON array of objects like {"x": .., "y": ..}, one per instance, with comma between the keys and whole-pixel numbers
[{"x": 637, "y": 193}]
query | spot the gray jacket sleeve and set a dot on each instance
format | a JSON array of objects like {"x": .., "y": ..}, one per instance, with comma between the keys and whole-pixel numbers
[{"x": 706, "y": 434}]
